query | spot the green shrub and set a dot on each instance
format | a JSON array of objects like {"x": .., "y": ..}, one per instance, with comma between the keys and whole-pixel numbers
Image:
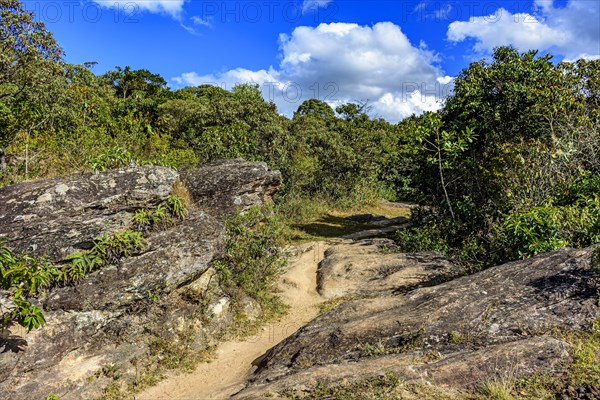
[
  {"x": 253, "y": 258},
  {"x": 114, "y": 157},
  {"x": 23, "y": 277},
  {"x": 174, "y": 208},
  {"x": 546, "y": 228}
]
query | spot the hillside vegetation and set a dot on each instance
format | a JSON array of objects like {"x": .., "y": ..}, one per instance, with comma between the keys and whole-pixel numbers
[{"x": 508, "y": 168}]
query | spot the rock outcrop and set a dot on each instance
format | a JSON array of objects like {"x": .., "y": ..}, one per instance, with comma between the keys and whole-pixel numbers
[
  {"x": 216, "y": 189},
  {"x": 499, "y": 322},
  {"x": 56, "y": 217},
  {"x": 164, "y": 295},
  {"x": 373, "y": 267}
]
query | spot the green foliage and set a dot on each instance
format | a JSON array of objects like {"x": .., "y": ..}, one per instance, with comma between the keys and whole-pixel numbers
[
  {"x": 174, "y": 208},
  {"x": 542, "y": 229},
  {"x": 498, "y": 388},
  {"x": 585, "y": 370},
  {"x": 512, "y": 158},
  {"x": 106, "y": 249},
  {"x": 388, "y": 386},
  {"x": 80, "y": 264},
  {"x": 115, "y": 157},
  {"x": 29, "y": 71},
  {"x": 28, "y": 274},
  {"x": 177, "y": 206},
  {"x": 23, "y": 277},
  {"x": 143, "y": 219},
  {"x": 455, "y": 337},
  {"x": 253, "y": 258},
  {"x": 23, "y": 312},
  {"x": 218, "y": 124},
  {"x": 111, "y": 248}
]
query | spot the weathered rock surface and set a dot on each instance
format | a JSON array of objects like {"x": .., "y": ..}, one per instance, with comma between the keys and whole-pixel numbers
[
  {"x": 56, "y": 217},
  {"x": 373, "y": 267},
  {"x": 497, "y": 322},
  {"x": 171, "y": 258},
  {"x": 215, "y": 188},
  {"x": 112, "y": 322}
]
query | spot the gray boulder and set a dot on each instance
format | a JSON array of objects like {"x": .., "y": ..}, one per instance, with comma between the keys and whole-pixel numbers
[
  {"x": 112, "y": 323},
  {"x": 498, "y": 322},
  {"x": 223, "y": 186},
  {"x": 56, "y": 217},
  {"x": 373, "y": 267}
]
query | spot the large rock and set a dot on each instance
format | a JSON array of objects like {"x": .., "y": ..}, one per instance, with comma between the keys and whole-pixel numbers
[
  {"x": 171, "y": 258},
  {"x": 374, "y": 267},
  {"x": 497, "y": 322},
  {"x": 113, "y": 322},
  {"x": 56, "y": 217},
  {"x": 223, "y": 186}
]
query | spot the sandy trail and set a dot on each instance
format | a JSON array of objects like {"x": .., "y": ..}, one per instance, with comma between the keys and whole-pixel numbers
[{"x": 229, "y": 371}]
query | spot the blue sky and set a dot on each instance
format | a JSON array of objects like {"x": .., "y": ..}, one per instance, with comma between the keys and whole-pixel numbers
[{"x": 400, "y": 56}]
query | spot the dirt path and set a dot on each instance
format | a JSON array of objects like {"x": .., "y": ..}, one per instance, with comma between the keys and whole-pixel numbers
[{"x": 228, "y": 373}]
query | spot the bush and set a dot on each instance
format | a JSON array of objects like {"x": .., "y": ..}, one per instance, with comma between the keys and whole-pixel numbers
[
  {"x": 546, "y": 228},
  {"x": 253, "y": 258},
  {"x": 23, "y": 276}
]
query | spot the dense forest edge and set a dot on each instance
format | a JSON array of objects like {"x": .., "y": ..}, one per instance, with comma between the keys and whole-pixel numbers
[{"x": 507, "y": 169}]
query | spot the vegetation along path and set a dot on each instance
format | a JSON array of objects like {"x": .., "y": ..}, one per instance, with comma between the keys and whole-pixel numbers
[{"x": 233, "y": 364}]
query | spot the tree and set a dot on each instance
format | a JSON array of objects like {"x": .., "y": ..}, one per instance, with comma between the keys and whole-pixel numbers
[
  {"x": 315, "y": 107},
  {"x": 30, "y": 73},
  {"x": 23, "y": 42},
  {"x": 139, "y": 83}
]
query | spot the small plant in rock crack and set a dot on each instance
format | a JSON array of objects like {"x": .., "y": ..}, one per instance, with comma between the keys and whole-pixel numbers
[
  {"x": 455, "y": 337},
  {"x": 177, "y": 206},
  {"x": 22, "y": 312},
  {"x": 79, "y": 265},
  {"x": 121, "y": 244},
  {"x": 370, "y": 350},
  {"x": 107, "y": 249},
  {"x": 142, "y": 220},
  {"x": 22, "y": 277},
  {"x": 165, "y": 214}
]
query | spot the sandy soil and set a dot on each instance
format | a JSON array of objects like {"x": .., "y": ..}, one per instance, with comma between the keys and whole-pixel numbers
[{"x": 232, "y": 366}]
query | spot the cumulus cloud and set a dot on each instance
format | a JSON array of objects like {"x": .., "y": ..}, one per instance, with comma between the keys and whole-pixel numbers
[
  {"x": 571, "y": 31},
  {"x": 173, "y": 8},
  {"x": 310, "y": 5},
  {"x": 342, "y": 62}
]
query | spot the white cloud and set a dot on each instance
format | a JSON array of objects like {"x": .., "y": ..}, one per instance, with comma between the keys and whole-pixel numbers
[
  {"x": 173, "y": 8},
  {"x": 342, "y": 62},
  {"x": 311, "y": 5},
  {"x": 199, "y": 21},
  {"x": 572, "y": 31}
]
